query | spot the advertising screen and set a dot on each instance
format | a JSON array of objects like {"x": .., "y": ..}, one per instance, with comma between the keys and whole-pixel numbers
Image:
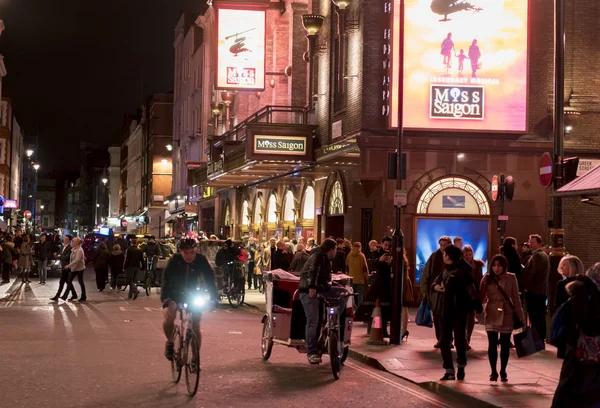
[
  {"x": 465, "y": 65},
  {"x": 429, "y": 230},
  {"x": 241, "y": 49}
]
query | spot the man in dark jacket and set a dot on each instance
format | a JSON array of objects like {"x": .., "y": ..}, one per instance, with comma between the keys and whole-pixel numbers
[
  {"x": 316, "y": 278},
  {"x": 101, "y": 266},
  {"x": 252, "y": 247},
  {"x": 152, "y": 251},
  {"x": 535, "y": 283},
  {"x": 509, "y": 250},
  {"x": 281, "y": 258},
  {"x": 339, "y": 261},
  {"x": 300, "y": 258},
  {"x": 433, "y": 268},
  {"x": 65, "y": 258},
  {"x": 227, "y": 256},
  {"x": 134, "y": 262},
  {"x": 43, "y": 251},
  {"x": 184, "y": 272}
]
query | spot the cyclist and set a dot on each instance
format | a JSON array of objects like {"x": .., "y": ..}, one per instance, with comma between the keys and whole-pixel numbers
[
  {"x": 316, "y": 278},
  {"x": 152, "y": 250},
  {"x": 182, "y": 277}
]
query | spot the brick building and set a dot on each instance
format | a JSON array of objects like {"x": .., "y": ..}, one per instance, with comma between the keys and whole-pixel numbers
[{"x": 337, "y": 185}]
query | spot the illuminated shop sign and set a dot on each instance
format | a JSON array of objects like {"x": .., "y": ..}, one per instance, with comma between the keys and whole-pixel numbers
[
  {"x": 241, "y": 49},
  {"x": 292, "y": 145},
  {"x": 465, "y": 65}
]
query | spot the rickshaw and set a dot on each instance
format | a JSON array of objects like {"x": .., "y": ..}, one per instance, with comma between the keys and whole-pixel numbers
[
  {"x": 228, "y": 279},
  {"x": 284, "y": 322}
]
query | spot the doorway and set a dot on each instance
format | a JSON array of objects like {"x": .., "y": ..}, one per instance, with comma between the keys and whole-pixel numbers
[{"x": 334, "y": 226}]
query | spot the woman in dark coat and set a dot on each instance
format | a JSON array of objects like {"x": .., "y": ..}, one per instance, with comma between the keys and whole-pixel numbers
[
  {"x": 579, "y": 383},
  {"x": 116, "y": 260},
  {"x": 569, "y": 267},
  {"x": 101, "y": 266},
  {"x": 457, "y": 294},
  {"x": 477, "y": 273},
  {"x": 509, "y": 250}
]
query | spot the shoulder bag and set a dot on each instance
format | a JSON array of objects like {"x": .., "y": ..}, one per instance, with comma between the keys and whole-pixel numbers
[{"x": 517, "y": 323}]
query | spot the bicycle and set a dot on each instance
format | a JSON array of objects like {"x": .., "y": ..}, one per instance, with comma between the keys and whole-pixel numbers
[
  {"x": 235, "y": 294},
  {"x": 187, "y": 348},
  {"x": 149, "y": 282},
  {"x": 329, "y": 339}
]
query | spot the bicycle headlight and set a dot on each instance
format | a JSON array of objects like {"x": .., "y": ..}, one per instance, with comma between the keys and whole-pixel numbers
[{"x": 199, "y": 301}]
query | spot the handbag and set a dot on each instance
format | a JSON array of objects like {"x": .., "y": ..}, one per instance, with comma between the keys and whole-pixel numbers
[
  {"x": 528, "y": 342},
  {"x": 517, "y": 323},
  {"x": 559, "y": 329},
  {"x": 423, "y": 317},
  {"x": 588, "y": 349}
]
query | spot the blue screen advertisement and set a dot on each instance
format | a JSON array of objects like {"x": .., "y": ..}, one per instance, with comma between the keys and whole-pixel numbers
[{"x": 429, "y": 230}]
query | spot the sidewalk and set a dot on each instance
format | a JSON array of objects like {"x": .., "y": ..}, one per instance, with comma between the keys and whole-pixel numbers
[{"x": 531, "y": 380}]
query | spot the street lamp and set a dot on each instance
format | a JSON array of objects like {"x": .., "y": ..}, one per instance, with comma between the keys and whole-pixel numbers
[
  {"x": 29, "y": 152},
  {"x": 312, "y": 24},
  {"x": 104, "y": 180},
  {"x": 36, "y": 167},
  {"x": 228, "y": 98},
  {"x": 169, "y": 147},
  {"x": 341, "y": 12}
]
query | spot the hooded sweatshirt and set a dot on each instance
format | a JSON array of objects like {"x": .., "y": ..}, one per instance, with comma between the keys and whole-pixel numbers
[
  {"x": 116, "y": 260},
  {"x": 357, "y": 266}
]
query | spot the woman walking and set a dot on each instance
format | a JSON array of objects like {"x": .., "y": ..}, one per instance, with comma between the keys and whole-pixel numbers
[
  {"x": 569, "y": 267},
  {"x": 116, "y": 260},
  {"x": 500, "y": 294},
  {"x": 77, "y": 267},
  {"x": 26, "y": 259},
  {"x": 477, "y": 274},
  {"x": 101, "y": 266},
  {"x": 457, "y": 299}
]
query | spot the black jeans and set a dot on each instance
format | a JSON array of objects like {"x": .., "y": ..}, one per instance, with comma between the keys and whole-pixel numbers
[
  {"x": 101, "y": 275},
  {"x": 251, "y": 276},
  {"x": 536, "y": 308},
  {"x": 6, "y": 271},
  {"x": 456, "y": 325},
  {"x": 493, "y": 350},
  {"x": 64, "y": 278},
  {"x": 70, "y": 286}
]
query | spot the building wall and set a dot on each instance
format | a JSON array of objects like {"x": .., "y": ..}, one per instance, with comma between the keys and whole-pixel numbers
[
  {"x": 114, "y": 181},
  {"x": 17, "y": 152},
  {"x": 134, "y": 170}
]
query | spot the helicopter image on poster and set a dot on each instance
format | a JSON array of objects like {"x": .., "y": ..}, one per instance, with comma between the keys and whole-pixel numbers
[
  {"x": 239, "y": 44},
  {"x": 446, "y": 7}
]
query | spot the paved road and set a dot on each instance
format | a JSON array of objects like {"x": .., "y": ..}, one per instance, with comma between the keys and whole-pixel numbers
[{"x": 107, "y": 352}]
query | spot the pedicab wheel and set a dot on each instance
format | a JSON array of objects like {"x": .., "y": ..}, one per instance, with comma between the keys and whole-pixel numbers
[
  {"x": 192, "y": 364},
  {"x": 334, "y": 355},
  {"x": 148, "y": 286},
  {"x": 345, "y": 354},
  {"x": 177, "y": 360},
  {"x": 267, "y": 342}
]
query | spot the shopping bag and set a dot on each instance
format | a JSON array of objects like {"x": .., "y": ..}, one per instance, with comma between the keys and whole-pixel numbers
[
  {"x": 424, "y": 315},
  {"x": 528, "y": 342}
]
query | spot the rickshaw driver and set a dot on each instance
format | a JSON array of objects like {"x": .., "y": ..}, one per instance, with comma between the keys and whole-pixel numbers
[
  {"x": 181, "y": 277},
  {"x": 316, "y": 278}
]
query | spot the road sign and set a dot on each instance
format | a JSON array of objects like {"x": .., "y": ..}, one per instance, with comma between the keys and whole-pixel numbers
[
  {"x": 27, "y": 214},
  {"x": 503, "y": 218},
  {"x": 495, "y": 188},
  {"x": 400, "y": 198},
  {"x": 546, "y": 170}
]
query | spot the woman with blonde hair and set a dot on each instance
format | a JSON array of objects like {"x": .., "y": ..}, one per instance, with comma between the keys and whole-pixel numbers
[
  {"x": 25, "y": 259},
  {"x": 569, "y": 267},
  {"x": 77, "y": 267}
]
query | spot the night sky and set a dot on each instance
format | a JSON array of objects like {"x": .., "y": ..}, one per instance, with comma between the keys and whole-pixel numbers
[{"x": 75, "y": 69}]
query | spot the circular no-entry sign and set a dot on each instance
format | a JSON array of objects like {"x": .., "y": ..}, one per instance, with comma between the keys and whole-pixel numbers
[
  {"x": 546, "y": 169},
  {"x": 27, "y": 214},
  {"x": 495, "y": 188}
]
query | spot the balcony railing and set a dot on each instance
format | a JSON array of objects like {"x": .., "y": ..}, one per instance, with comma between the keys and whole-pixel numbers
[{"x": 268, "y": 114}]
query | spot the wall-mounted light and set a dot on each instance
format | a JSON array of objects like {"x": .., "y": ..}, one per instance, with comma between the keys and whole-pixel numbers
[
  {"x": 29, "y": 152},
  {"x": 460, "y": 156},
  {"x": 341, "y": 12},
  {"x": 312, "y": 24},
  {"x": 169, "y": 147},
  {"x": 228, "y": 98},
  {"x": 36, "y": 167},
  {"x": 104, "y": 180},
  {"x": 272, "y": 83}
]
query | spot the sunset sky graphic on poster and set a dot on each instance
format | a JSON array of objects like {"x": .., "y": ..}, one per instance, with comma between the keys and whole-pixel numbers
[
  {"x": 241, "y": 49},
  {"x": 500, "y": 28}
]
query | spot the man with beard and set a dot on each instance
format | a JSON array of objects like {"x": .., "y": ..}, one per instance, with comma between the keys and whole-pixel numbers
[{"x": 316, "y": 278}]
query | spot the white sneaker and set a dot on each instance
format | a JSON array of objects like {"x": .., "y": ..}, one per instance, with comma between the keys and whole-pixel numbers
[{"x": 314, "y": 359}]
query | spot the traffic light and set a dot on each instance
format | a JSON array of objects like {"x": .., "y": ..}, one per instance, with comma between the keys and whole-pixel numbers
[{"x": 570, "y": 166}]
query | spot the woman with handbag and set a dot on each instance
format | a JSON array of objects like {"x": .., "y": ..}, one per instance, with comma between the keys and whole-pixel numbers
[{"x": 503, "y": 312}]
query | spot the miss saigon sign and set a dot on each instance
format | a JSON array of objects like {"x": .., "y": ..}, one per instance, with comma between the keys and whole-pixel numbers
[
  {"x": 266, "y": 141},
  {"x": 289, "y": 145}
]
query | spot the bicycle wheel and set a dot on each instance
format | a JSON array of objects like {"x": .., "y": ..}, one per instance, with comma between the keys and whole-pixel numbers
[
  {"x": 177, "y": 360},
  {"x": 192, "y": 363},
  {"x": 334, "y": 354},
  {"x": 148, "y": 286},
  {"x": 345, "y": 354},
  {"x": 267, "y": 342}
]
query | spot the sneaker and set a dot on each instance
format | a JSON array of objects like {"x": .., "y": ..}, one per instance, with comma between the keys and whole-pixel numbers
[
  {"x": 55, "y": 298},
  {"x": 461, "y": 373},
  {"x": 169, "y": 351},
  {"x": 63, "y": 298},
  {"x": 448, "y": 377},
  {"x": 314, "y": 359}
]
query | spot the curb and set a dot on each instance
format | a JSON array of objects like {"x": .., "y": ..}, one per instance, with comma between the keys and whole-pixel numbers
[{"x": 432, "y": 386}]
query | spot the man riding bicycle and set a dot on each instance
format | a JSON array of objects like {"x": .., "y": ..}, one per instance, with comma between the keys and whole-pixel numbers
[
  {"x": 316, "y": 278},
  {"x": 182, "y": 277},
  {"x": 152, "y": 251}
]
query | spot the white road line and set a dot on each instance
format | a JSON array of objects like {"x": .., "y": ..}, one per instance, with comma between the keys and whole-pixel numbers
[
  {"x": 397, "y": 385},
  {"x": 121, "y": 308}
]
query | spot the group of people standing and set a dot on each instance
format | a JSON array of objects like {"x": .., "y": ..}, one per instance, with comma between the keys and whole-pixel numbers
[{"x": 18, "y": 252}]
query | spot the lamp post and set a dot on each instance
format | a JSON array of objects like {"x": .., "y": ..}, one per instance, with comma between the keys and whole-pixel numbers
[
  {"x": 341, "y": 12},
  {"x": 312, "y": 24},
  {"x": 42, "y": 215},
  {"x": 228, "y": 98},
  {"x": 36, "y": 167}
]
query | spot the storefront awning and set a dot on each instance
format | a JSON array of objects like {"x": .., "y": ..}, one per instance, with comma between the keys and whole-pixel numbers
[{"x": 586, "y": 185}]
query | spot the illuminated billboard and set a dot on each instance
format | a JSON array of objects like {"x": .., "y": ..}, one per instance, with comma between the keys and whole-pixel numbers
[
  {"x": 241, "y": 49},
  {"x": 465, "y": 65}
]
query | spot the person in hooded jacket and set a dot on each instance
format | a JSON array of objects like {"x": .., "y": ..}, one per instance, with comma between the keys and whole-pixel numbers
[
  {"x": 356, "y": 263},
  {"x": 101, "y": 266},
  {"x": 477, "y": 273},
  {"x": 116, "y": 260},
  {"x": 579, "y": 381},
  {"x": 509, "y": 250},
  {"x": 300, "y": 258}
]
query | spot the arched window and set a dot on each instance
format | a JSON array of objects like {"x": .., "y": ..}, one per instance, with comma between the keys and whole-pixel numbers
[
  {"x": 453, "y": 195},
  {"x": 336, "y": 199},
  {"x": 288, "y": 212},
  {"x": 271, "y": 208},
  {"x": 257, "y": 208},
  {"x": 227, "y": 217},
  {"x": 245, "y": 220},
  {"x": 308, "y": 212}
]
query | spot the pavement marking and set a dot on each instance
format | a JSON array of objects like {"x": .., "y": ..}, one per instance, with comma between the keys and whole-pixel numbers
[
  {"x": 121, "y": 308},
  {"x": 152, "y": 309},
  {"x": 235, "y": 332},
  {"x": 397, "y": 385},
  {"x": 45, "y": 308}
]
